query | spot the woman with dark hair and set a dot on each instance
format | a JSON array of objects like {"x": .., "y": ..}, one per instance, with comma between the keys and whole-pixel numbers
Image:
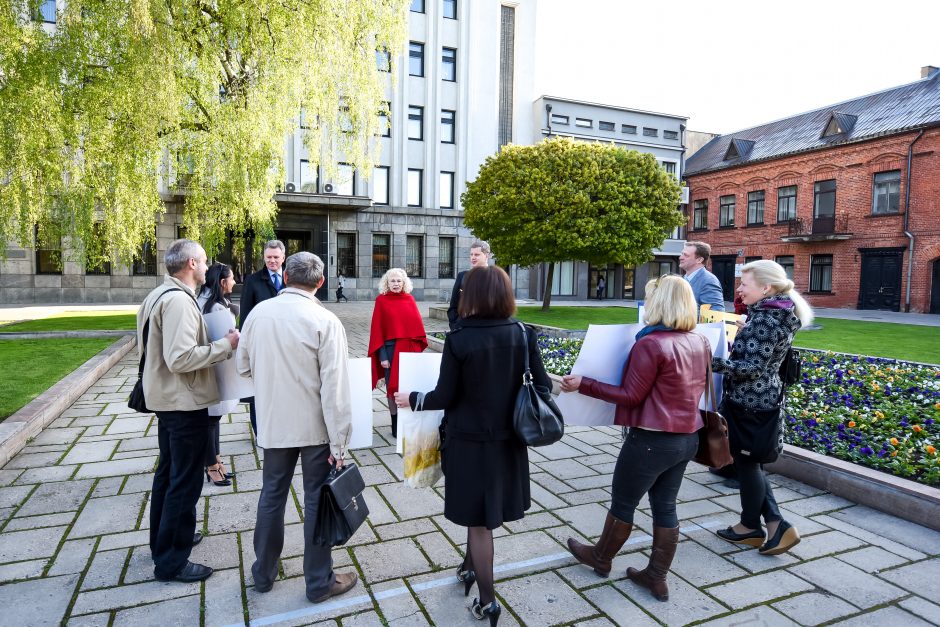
[
  {"x": 215, "y": 297},
  {"x": 486, "y": 467}
]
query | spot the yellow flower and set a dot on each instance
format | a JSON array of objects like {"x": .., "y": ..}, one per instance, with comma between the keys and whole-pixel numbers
[
  {"x": 894, "y": 441},
  {"x": 851, "y": 423},
  {"x": 894, "y": 454},
  {"x": 931, "y": 450},
  {"x": 917, "y": 428}
]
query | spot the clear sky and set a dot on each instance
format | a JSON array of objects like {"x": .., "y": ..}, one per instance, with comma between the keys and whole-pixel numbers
[{"x": 729, "y": 65}]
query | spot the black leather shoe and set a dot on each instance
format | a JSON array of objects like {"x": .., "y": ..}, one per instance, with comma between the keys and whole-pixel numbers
[
  {"x": 190, "y": 572},
  {"x": 197, "y": 538},
  {"x": 751, "y": 538},
  {"x": 785, "y": 538}
]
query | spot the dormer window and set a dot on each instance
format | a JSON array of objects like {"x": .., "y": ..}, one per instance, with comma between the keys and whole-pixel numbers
[
  {"x": 839, "y": 124},
  {"x": 738, "y": 149}
]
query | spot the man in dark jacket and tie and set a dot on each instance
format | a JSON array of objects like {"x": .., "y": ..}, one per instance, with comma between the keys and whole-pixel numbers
[
  {"x": 260, "y": 286},
  {"x": 479, "y": 256}
]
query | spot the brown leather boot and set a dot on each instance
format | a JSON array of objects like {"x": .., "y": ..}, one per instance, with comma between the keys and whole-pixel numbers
[
  {"x": 600, "y": 556},
  {"x": 653, "y": 577}
]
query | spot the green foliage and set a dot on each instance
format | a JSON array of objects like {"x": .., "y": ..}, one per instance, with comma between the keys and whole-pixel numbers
[
  {"x": 564, "y": 200},
  {"x": 125, "y": 94}
]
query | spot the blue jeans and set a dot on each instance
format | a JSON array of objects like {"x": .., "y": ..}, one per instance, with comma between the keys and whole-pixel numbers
[{"x": 651, "y": 462}]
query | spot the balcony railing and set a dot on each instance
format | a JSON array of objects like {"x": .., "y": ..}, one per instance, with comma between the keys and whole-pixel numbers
[{"x": 821, "y": 228}]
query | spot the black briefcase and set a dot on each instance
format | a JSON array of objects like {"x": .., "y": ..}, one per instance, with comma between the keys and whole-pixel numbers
[{"x": 341, "y": 509}]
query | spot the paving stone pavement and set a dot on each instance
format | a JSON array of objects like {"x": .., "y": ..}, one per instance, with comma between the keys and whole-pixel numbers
[{"x": 73, "y": 540}]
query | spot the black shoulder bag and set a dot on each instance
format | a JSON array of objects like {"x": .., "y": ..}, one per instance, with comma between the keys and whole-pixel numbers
[
  {"x": 136, "y": 400},
  {"x": 536, "y": 418}
]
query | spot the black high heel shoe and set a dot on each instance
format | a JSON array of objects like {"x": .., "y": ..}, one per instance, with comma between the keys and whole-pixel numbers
[
  {"x": 751, "y": 538},
  {"x": 468, "y": 577},
  {"x": 491, "y": 610},
  {"x": 221, "y": 482}
]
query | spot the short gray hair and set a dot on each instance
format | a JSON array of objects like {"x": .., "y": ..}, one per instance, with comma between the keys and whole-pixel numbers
[
  {"x": 276, "y": 243},
  {"x": 482, "y": 245},
  {"x": 304, "y": 269},
  {"x": 179, "y": 253}
]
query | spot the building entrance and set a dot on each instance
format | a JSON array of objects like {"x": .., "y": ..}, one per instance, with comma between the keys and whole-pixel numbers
[{"x": 880, "y": 281}]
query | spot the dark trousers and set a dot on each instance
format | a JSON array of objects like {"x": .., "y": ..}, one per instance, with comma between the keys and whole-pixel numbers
[
  {"x": 177, "y": 484},
  {"x": 252, "y": 416},
  {"x": 757, "y": 497},
  {"x": 279, "y": 464},
  {"x": 651, "y": 462},
  {"x": 212, "y": 442}
]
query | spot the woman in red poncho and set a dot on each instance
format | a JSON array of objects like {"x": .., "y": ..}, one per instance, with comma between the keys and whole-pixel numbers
[{"x": 396, "y": 328}]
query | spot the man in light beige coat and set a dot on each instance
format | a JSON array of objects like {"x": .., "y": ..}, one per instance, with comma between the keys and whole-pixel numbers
[
  {"x": 295, "y": 350},
  {"x": 179, "y": 385}
]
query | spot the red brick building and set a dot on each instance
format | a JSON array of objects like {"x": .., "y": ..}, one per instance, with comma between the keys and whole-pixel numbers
[{"x": 844, "y": 197}]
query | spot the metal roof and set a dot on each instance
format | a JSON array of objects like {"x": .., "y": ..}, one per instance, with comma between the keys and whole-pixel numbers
[{"x": 884, "y": 113}]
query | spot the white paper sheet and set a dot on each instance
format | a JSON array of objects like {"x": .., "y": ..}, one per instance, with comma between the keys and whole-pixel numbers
[
  {"x": 360, "y": 392},
  {"x": 715, "y": 332},
  {"x": 232, "y": 386},
  {"x": 602, "y": 357},
  {"x": 417, "y": 372}
]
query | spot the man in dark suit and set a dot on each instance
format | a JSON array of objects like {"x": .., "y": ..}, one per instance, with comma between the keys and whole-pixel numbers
[
  {"x": 479, "y": 256},
  {"x": 259, "y": 286}
]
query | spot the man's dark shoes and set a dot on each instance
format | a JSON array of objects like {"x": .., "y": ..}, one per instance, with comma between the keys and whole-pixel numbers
[
  {"x": 751, "y": 538},
  {"x": 191, "y": 572},
  {"x": 344, "y": 582},
  {"x": 197, "y": 538},
  {"x": 785, "y": 538}
]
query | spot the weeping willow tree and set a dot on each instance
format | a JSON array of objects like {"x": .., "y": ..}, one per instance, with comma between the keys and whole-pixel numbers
[{"x": 121, "y": 96}]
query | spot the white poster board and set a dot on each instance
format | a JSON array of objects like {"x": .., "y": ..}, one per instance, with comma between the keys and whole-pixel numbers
[
  {"x": 232, "y": 386},
  {"x": 417, "y": 372},
  {"x": 360, "y": 393},
  {"x": 602, "y": 357},
  {"x": 715, "y": 333}
]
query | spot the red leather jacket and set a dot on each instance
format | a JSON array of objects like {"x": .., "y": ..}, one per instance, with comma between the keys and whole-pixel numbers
[{"x": 662, "y": 383}]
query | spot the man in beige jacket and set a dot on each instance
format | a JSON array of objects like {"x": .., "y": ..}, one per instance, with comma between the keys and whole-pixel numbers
[
  {"x": 295, "y": 350},
  {"x": 179, "y": 386}
]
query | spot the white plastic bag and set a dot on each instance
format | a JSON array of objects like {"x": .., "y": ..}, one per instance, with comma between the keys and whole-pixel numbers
[{"x": 421, "y": 443}]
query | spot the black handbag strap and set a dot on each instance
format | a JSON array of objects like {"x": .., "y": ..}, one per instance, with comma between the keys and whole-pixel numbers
[
  {"x": 527, "y": 375},
  {"x": 143, "y": 352}
]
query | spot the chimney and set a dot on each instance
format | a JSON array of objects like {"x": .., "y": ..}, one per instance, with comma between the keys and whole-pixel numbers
[{"x": 928, "y": 71}]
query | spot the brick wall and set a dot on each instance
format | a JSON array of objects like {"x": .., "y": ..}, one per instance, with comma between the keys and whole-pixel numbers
[{"x": 853, "y": 168}]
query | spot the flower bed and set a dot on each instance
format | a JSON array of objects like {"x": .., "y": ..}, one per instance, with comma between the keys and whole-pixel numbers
[
  {"x": 879, "y": 413},
  {"x": 558, "y": 354}
]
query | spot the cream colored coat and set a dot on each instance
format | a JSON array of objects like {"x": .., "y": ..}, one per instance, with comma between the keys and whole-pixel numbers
[
  {"x": 295, "y": 350},
  {"x": 177, "y": 373}
]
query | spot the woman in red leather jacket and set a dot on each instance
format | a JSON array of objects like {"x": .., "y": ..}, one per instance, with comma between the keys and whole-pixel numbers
[{"x": 658, "y": 400}]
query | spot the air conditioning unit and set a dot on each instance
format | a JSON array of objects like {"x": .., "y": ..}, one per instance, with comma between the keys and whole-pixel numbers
[
  {"x": 290, "y": 188},
  {"x": 685, "y": 196},
  {"x": 328, "y": 189}
]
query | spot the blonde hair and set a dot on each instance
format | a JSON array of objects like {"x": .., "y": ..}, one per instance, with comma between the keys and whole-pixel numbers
[
  {"x": 670, "y": 302},
  {"x": 383, "y": 282},
  {"x": 771, "y": 274}
]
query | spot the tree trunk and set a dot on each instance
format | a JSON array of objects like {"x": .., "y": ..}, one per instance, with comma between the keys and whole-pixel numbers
[{"x": 547, "y": 292}]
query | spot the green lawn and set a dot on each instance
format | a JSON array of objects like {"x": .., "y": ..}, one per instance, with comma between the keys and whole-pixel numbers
[
  {"x": 899, "y": 341},
  {"x": 29, "y": 367},
  {"x": 78, "y": 321}
]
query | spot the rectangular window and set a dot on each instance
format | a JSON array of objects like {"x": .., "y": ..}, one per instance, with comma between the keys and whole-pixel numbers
[
  {"x": 670, "y": 135},
  {"x": 45, "y": 12},
  {"x": 449, "y": 64},
  {"x": 670, "y": 167},
  {"x": 385, "y": 122},
  {"x": 650, "y": 132},
  {"x": 786, "y": 203},
  {"x": 700, "y": 215},
  {"x": 445, "y": 259},
  {"x": 450, "y": 9},
  {"x": 755, "y": 207},
  {"x": 346, "y": 254},
  {"x": 557, "y": 118},
  {"x": 448, "y": 126},
  {"x": 383, "y": 60},
  {"x": 415, "y": 58},
  {"x": 381, "y": 254},
  {"x": 345, "y": 180},
  {"x": 415, "y": 183},
  {"x": 584, "y": 123},
  {"x": 417, "y": 6},
  {"x": 104, "y": 268},
  {"x": 308, "y": 178},
  {"x": 380, "y": 185},
  {"x": 606, "y": 126},
  {"x": 824, "y": 199},
  {"x": 786, "y": 261},
  {"x": 414, "y": 256},
  {"x": 563, "y": 279},
  {"x": 146, "y": 263},
  {"x": 887, "y": 194},
  {"x": 447, "y": 190},
  {"x": 415, "y": 122},
  {"x": 726, "y": 205},
  {"x": 628, "y": 129},
  {"x": 48, "y": 255},
  {"x": 507, "y": 68},
  {"x": 820, "y": 273}
]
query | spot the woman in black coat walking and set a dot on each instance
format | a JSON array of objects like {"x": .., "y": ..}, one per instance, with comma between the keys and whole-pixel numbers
[{"x": 486, "y": 468}]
